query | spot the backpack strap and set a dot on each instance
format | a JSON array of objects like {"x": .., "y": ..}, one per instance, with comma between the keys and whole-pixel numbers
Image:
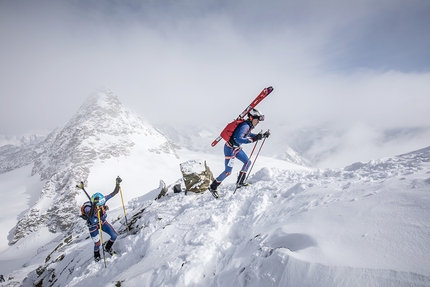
[
  {"x": 231, "y": 141},
  {"x": 84, "y": 215}
]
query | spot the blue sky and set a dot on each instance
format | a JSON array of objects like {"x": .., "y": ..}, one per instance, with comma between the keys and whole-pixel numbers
[{"x": 338, "y": 62}]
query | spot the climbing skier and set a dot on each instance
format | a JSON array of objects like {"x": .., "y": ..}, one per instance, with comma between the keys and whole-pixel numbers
[
  {"x": 232, "y": 149},
  {"x": 92, "y": 211}
]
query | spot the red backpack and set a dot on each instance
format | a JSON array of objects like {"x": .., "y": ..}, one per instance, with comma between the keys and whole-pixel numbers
[
  {"x": 228, "y": 131},
  {"x": 83, "y": 214}
]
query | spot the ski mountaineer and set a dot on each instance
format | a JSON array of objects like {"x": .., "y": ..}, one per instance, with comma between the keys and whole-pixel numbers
[
  {"x": 232, "y": 149},
  {"x": 90, "y": 212}
]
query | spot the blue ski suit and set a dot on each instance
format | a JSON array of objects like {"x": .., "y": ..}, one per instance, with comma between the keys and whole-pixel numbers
[
  {"x": 232, "y": 149},
  {"x": 93, "y": 221}
]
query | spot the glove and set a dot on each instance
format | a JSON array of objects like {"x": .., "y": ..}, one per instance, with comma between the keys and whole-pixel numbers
[
  {"x": 257, "y": 137},
  {"x": 118, "y": 180},
  {"x": 266, "y": 134}
]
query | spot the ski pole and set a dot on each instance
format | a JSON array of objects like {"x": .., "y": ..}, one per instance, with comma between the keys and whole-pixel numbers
[
  {"x": 252, "y": 152},
  {"x": 123, "y": 207},
  {"x": 249, "y": 158},
  {"x": 81, "y": 186},
  {"x": 101, "y": 235},
  {"x": 241, "y": 173},
  {"x": 255, "y": 159}
]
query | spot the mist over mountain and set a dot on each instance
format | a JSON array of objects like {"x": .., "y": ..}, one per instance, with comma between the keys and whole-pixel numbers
[
  {"x": 320, "y": 145},
  {"x": 198, "y": 138},
  {"x": 331, "y": 145}
]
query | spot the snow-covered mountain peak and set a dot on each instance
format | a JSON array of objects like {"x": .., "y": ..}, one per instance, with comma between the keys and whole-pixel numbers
[
  {"x": 100, "y": 105},
  {"x": 100, "y": 130},
  {"x": 102, "y": 112}
]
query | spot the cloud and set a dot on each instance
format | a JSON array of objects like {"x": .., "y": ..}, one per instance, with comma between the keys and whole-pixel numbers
[
  {"x": 331, "y": 62},
  {"x": 363, "y": 142}
]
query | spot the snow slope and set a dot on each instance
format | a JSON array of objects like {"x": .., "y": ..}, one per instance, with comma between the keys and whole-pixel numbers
[
  {"x": 364, "y": 225},
  {"x": 19, "y": 193}
]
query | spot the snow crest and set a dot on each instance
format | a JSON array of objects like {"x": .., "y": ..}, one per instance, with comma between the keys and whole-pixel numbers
[{"x": 364, "y": 225}]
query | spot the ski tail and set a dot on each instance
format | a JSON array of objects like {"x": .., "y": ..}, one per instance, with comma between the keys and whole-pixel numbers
[
  {"x": 216, "y": 141},
  {"x": 263, "y": 94}
]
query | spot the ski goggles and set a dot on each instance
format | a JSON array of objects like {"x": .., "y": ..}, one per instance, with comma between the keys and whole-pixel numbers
[{"x": 260, "y": 118}]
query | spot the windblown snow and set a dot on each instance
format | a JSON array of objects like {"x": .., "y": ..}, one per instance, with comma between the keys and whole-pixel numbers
[{"x": 367, "y": 224}]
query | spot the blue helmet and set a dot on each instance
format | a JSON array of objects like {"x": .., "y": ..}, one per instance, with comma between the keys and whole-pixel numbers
[{"x": 98, "y": 198}]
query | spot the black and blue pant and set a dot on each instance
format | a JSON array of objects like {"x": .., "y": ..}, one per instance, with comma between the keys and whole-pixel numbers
[
  {"x": 95, "y": 234},
  {"x": 230, "y": 154}
]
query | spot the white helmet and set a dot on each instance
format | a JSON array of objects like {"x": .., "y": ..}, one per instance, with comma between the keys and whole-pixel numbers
[{"x": 256, "y": 114}]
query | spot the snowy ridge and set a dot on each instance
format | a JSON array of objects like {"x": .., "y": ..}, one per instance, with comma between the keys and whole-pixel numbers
[
  {"x": 23, "y": 140},
  {"x": 364, "y": 225},
  {"x": 19, "y": 151},
  {"x": 291, "y": 155},
  {"x": 13, "y": 157},
  {"x": 100, "y": 130}
]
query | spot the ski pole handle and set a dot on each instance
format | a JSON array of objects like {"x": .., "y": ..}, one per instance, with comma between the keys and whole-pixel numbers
[{"x": 81, "y": 186}]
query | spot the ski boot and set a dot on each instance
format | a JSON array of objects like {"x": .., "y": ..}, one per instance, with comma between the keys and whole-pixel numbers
[
  {"x": 97, "y": 256},
  {"x": 241, "y": 180},
  {"x": 213, "y": 188},
  {"x": 108, "y": 248}
]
